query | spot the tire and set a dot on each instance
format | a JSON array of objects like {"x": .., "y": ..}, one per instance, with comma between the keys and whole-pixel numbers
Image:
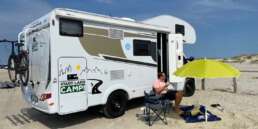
[
  {"x": 24, "y": 77},
  {"x": 24, "y": 70},
  {"x": 12, "y": 69},
  {"x": 116, "y": 104},
  {"x": 189, "y": 89}
]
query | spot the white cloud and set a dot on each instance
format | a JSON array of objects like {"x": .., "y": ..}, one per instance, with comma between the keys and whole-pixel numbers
[
  {"x": 207, "y": 12},
  {"x": 226, "y": 4}
]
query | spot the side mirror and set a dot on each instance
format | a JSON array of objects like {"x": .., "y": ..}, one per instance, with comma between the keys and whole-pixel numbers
[{"x": 186, "y": 60}]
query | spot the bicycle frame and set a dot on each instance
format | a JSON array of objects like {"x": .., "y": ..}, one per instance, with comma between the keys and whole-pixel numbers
[
  {"x": 13, "y": 42},
  {"x": 15, "y": 63}
]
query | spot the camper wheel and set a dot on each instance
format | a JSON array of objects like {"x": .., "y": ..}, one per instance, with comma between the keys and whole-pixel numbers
[
  {"x": 189, "y": 87},
  {"x": 116, "y": 104}
]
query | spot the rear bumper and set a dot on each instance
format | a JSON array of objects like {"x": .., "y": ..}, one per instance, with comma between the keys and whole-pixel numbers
[
  {"x": 50, "y": 110},
  {"x": 47, "y": 111}
]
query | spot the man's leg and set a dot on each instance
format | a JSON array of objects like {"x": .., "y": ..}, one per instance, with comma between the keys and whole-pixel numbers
[
  {"x": 177, "y": 96},
  {"x": 178, "y": 99}
]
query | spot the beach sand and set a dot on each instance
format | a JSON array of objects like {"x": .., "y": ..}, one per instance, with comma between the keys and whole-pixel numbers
[{"x": 240, "y": 109}]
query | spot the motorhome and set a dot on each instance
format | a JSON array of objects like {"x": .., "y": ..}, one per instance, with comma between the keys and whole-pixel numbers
[{"x": 79, "y": 60}]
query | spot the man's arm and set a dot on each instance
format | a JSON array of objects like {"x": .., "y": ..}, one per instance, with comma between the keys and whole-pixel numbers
[{"x": 162, "y": 88}]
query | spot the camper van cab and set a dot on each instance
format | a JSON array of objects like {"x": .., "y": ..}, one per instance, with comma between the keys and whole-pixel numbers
[{"x": 78, "y": 60}]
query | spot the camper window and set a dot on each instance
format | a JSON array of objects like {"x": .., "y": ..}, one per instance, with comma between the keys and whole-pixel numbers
[
  {"x": 180, "y": 29},
  {"x": 144, "y": 48},
  {"x": 69, "y": 27}
]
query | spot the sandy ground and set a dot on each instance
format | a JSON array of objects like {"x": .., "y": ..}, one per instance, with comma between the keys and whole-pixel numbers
[{"x": 241, "y": 109}]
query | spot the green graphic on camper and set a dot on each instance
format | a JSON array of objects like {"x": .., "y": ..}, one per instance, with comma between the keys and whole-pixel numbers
[{"x": 72, "y": 86}]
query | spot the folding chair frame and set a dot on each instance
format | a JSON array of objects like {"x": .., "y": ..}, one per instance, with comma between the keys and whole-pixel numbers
[
  {"x": 160, "y": 114},
  {"x": 160, "y": 109}
]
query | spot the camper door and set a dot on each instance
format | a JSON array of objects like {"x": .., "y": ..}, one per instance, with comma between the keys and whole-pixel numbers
[
  {"x": 39, "y": 43},
  {"x": 175, "y": 52}
]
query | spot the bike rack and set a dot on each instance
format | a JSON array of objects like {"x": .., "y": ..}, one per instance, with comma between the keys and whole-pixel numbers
[
  {"x": 3, "y": 66},
  {"x": 16, "y": 57}
]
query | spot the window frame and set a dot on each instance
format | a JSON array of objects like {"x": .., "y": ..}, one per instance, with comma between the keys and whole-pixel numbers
[
  {"x": 146, "y": 42},
  {"x": 70, "y": 20},
  {"x": 149, "y": 43},
  {"x": 181, "y": 27}
]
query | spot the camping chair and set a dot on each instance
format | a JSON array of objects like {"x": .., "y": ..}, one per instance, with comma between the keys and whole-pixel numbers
[{"x": 155, "y": 108}]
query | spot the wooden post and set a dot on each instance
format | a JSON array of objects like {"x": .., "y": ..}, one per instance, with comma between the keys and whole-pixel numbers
[
  {"x": 235, "y": 85},
  {"x": 203, "y": 84}
]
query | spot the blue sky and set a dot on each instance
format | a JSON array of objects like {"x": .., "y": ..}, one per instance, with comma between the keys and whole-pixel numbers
[{"x": 224, "y": 27}]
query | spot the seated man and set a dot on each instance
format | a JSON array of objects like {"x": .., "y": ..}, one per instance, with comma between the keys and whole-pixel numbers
[{"x": 161, "y": 88}]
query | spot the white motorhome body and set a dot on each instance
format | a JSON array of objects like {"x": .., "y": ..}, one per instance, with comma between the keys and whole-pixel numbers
[
  {"x": 78, "y": 60},
  {"x": 175, "y": 25}
]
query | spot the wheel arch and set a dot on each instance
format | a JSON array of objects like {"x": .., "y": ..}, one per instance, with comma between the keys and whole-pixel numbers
[{"x": 116, "y": 88}]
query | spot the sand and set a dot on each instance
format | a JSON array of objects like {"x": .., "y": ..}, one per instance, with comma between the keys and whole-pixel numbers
[{"x": 240, "y": 109}]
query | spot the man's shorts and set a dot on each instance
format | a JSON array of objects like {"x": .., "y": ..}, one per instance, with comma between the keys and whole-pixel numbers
[{"x": 170, "y": 95}]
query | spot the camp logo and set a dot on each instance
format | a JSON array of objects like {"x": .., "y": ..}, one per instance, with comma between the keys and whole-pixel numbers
[
  {"x": 78, "y": 67},
  {"x": 96, "y": 83},
  {"x": 72, "y": 86}
]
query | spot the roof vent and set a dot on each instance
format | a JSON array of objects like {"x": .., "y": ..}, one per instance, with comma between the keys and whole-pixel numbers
[{"x": 116, "y": 33}]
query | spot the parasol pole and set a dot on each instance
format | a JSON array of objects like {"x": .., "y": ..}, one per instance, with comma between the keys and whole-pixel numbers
[
  {"x": 203, "y": 84},
  {"x": 235, "y": 85}
]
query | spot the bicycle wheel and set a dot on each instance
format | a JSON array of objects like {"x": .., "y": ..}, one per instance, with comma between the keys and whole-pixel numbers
[
  {"x": 24, "y": 69},
  {"x": 12, "y": 68}
]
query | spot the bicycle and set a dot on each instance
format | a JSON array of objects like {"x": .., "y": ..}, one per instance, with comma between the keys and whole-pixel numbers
[{"x": 18, "y": 63}]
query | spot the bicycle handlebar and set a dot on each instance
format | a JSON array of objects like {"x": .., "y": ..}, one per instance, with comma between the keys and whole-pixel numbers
[{"x": 8, "y": 41}]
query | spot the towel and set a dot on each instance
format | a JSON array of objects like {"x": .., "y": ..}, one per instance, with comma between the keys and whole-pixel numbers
[{"x": 200, "y": 117}]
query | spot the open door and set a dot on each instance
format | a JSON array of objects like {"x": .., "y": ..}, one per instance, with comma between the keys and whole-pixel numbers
[
  {"x": 176, "y": 56},
  {"x": 72, "y": 85},
  {"x": 170, "y": 55},
  {"x": 162, "y": 49}
]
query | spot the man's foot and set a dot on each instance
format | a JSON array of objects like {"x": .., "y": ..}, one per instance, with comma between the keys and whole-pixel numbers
[{"x": 178, "y": 111}]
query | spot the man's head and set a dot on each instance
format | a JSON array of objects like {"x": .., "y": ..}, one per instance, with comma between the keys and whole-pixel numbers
[{"x": 162, "y": 76}]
